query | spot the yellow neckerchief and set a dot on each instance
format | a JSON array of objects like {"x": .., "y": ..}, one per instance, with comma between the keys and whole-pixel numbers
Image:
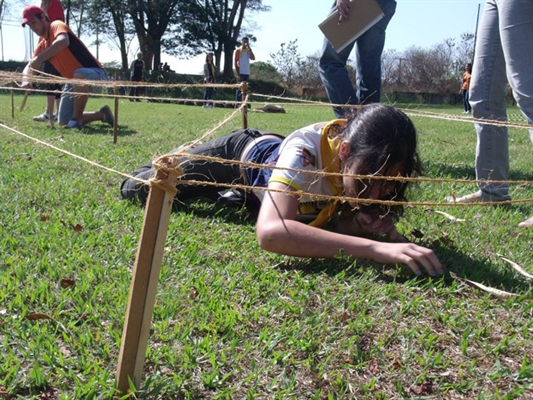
[
  {"x": 330, "y": 144},
  {"x": 212, "y": 66}
]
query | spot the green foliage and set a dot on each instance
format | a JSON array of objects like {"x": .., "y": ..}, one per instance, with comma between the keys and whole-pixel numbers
[
  {"x": 264, "y": 71},
  {"x": 231, "y": 321},
  {"x": 287, "y": 61},
  {"x": 211, "y": 26}
]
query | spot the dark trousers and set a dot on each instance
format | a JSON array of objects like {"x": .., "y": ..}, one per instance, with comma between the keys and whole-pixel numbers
[
  {"x": 227, "y": 147},
  {"x": 238, "y": 93},
  {"x": 134, "y": 90}
]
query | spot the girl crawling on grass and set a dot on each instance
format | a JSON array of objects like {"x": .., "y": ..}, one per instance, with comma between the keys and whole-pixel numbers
[{"x": 378, "y": 140}]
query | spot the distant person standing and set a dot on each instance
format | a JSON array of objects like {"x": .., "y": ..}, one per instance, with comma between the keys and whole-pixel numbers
[
  {"x": 243, "y": 56},
  {"x": 465, "y": 87},
  {"x": 369, "y": 47},
  {"x": 136, "y": 75},
  {"x": 70, "y": 57},
  {"x": 54, "y": 10},
  {"x": 209, "y": 77}
]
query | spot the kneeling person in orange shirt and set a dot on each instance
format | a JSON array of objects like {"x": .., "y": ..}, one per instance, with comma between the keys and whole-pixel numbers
[{"x": 67, "y": 53}]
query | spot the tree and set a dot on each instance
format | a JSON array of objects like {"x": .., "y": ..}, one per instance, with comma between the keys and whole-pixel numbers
[
  {"x": 151, "y": 19},
  {"x": 288, "y": 61},
  {"x": 264, "y": 71},
  {"x": 309, "y": 75},
  {"x": 111, "y": 19},
  {"x": 75, "y": 15},
  {"x": 211, "y": 26}
]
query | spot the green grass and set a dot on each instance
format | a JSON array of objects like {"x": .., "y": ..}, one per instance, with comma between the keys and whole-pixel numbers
[{"x": 230, "y": 320}]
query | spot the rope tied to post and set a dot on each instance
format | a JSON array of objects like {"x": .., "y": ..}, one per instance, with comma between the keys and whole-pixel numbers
[{"x": 168, "y": 170}]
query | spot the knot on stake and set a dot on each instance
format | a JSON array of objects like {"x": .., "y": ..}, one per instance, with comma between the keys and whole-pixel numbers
[{"x": 168, "y": 170}]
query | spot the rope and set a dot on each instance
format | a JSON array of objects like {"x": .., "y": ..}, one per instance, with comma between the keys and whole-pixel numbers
[{"x": 169, "y": 161}]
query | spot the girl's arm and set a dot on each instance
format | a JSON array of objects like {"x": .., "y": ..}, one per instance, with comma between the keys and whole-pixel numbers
[{"x": 278, "y": 232}]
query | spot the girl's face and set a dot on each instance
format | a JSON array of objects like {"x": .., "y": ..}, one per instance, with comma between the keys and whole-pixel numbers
[{"x": 368, "y": 188}]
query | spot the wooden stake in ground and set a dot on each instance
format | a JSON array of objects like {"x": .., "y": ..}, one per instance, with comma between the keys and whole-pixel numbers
[
  {"x": 244, "y": 91},
  {"x": 12, "y": 105},
  {"x": 23, "y": 104},
  {"x": 115, "y": 120},
  {"x": 146, "y": 273}
]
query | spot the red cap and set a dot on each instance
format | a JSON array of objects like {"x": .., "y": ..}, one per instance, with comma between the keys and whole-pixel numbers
[{"x": 29, "y": 13}]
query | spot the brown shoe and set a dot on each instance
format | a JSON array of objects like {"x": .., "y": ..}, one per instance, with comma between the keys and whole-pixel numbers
[{"x": 475, "y": 197}]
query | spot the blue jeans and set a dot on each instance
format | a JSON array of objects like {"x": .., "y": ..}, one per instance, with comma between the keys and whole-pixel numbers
[
  {"x": 369, "y": 48},
  {"x": 466, "y": 102},
  {"x": 208, "y": 91},
  {"x": 66, "y": 105},
  {"x": 504, "y": 52}
]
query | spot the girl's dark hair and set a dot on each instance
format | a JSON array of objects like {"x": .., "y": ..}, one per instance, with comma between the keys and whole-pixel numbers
[
  {"x": 207, "y": 57},
  {"x": 380, "y": 137}
]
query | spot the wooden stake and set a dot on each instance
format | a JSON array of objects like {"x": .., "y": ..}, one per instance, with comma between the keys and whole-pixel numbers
[
  {"x": 144, "y": 285},
  {"x": 23, "y": 104},
  {"x": 12, "y": 105},
  {"x": 244, "y": 91},
  {"x": 115, "y": 121}
]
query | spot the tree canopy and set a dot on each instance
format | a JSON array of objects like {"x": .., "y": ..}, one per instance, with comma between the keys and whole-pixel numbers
[{"x": 211, "y": 26}]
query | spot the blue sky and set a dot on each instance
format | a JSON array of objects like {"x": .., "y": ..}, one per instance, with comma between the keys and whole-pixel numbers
[{"x": 422, "y": 23}]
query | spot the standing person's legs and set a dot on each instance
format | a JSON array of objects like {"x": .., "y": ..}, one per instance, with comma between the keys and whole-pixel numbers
[
  {"x": 516, "y": 22},
  {"x": 487, "y": 98},
  {"x": 466, "y": 102},
  {"x": 334, "y": 75},
  {"x": 238, "y": 93},
  {"x": 516, "y": 30},
  {"x": 133, "y": 90},
  {"x": 368, "y": 50},
  {"x": 72, "y": 107},
  {"x": 208, "y": 94}
]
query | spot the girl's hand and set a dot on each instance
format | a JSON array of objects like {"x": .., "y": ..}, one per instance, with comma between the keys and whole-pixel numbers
[
  {"x": 416, "y": 257},
  {"x": 376, "y": 224}
]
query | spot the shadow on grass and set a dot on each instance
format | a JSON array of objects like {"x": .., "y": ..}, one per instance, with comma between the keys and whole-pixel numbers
[
  {"x": 106, "y": 130},
  {"x": 454, "y": 261},
  {"x": 229, "y": 213},
  {"x": 479, "y": 269}
]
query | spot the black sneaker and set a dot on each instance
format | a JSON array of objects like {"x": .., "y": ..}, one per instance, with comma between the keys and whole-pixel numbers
[{"x": 108, "y": 115}]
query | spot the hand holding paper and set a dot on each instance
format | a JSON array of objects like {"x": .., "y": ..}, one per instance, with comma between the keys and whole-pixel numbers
[
  {"x": 362, "y": 15},
  {"x": 344, "y": 10}
]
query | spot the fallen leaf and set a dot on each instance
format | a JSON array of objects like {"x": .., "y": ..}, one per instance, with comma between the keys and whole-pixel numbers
[
  {"x": 64, "y": 351},
  {"x": 496, "y": 292},
  {"x": 44, "y": 218},
  {"x": 449, "y": 216},
  {"x": 424, "y": 389},
  {"x": 78, "y": 228},
  {"x": 517, "y": 267},
  {"x": 374, "y": 367},
  {"x": 67, "y": 282},
  {"x": 35, "y": 316},
  {"x": 344, "y": 316}
]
